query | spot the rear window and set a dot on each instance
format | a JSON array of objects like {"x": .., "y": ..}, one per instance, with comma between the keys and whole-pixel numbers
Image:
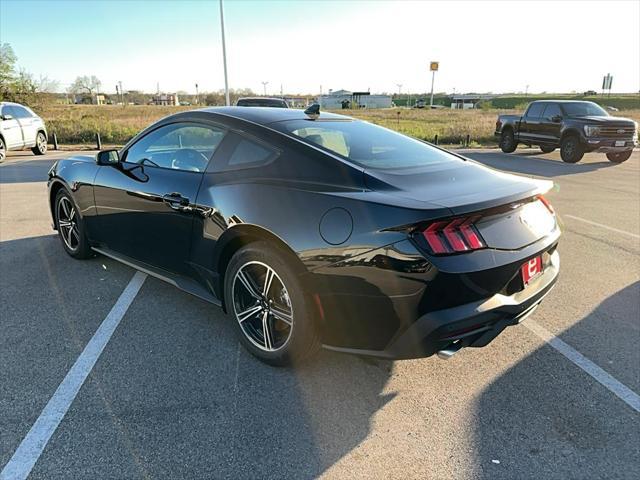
[
  {"x": 261, "y": 102},
  {"x": 367, "y": 145}
]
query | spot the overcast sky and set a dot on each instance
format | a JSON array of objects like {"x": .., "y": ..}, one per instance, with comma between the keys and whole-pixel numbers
[{"x": 498, "y": 46}]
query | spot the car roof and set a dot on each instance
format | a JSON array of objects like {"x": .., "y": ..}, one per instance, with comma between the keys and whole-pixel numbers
[
  {"x": 262, "y": 98},
  {"x": 563, "y": 101},
  {"x": 267, "y": 115}
]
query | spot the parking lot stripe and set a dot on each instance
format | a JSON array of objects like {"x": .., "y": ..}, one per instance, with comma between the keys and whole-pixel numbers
[
  {"x": 620, "y": 390},
  {"x": 32, "y": 446},
  {"x": 596, "y": 224}
]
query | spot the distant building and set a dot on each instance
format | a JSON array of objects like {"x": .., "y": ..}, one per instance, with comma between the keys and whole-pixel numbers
[
  {"x": 339, "y": 99},
  {"x": 467, "y": 101},
  {"x": 87, "y": 99},
  {"x": 166, "y": 99}
]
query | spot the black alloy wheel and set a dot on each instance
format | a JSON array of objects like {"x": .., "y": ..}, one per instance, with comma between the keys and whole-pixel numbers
[
  {"x": 571, "y": 151},
  {"x": 508, "y": 142},
  {"x": 619, "y": 157},
  {"x": 272, "y": 313},
  {"x": 70, "y": 226}
]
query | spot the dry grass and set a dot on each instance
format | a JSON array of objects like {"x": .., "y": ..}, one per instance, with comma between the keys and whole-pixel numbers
[{"x": 78, "y": 124}]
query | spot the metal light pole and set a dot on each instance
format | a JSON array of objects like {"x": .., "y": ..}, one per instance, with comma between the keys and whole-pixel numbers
[
  {"x": 197, "y": 95},
  {"x": 433, "y": 66},
  {"x": 224, "y": 57},
  {"x": 433, "y": 78},
  {"x": 264, "y": 88},
  {"x": 399, "y": 85}
]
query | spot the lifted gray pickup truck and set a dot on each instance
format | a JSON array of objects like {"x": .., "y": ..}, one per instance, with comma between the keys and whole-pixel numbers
[{"x": 576, "y": 127}]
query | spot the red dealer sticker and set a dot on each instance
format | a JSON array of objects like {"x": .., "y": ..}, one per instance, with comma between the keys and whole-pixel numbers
[{"x": 531, "y": 269}]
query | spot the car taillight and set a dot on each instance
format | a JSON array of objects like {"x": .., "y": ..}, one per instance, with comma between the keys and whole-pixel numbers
[
  {"x": 546, "y": 203},
  {"x": 452, "y": 236}
]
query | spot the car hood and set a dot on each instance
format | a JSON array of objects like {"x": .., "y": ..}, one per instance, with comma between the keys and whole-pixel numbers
[
  {"x": 461, "y": 186},
  {"x": 606, "y": 120}
]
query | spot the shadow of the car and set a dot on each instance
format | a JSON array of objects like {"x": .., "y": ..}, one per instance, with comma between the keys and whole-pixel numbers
[
  {"x": 573, "y": 426},
  {"x": 173, "y": 394}
]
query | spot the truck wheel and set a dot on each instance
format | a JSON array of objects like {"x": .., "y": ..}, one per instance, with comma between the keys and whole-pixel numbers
[
  {"x": 508, "y": 142},
  {"x": 571, "y": 151},
  {"x": 619, "y": 157},
  {"x": 547, "y": 149}
]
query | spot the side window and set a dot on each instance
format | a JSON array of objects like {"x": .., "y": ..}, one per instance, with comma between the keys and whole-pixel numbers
[
  {"x": 248, "y": 153},
  {"x": 552, "y": 110},
  {"x": 333, "y": 140},
  {"x": 21, "y": 112},
  {"x": 7, "y": 110},
  {"x": 178, "y": 146},
  {"x": 535, "y": 110}
]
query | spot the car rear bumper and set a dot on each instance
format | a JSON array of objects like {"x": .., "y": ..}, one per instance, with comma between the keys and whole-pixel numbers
[{"x": 473, "y": 324}]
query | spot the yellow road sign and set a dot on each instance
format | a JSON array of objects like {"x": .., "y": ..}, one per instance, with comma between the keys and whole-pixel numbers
[{"x": 433, "y": 66}]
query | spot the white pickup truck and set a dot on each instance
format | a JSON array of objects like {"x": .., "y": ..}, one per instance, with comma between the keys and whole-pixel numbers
[{"x": 21, "y": 128}]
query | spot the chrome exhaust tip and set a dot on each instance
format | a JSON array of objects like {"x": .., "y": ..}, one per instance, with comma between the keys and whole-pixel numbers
[{"x": 450, "y": 351}]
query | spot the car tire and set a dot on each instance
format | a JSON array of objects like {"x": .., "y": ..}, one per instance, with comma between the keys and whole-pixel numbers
[
  {"x": 70, "y": 226},
  {"x": 546, "y": 149},
  {"x": 508, "y": 142},
  {"x": 3, "y": 150},
  {"x": 619, "y": 157},
  {"x": 571, "y": 150},
  {"x": 285, "y": 310},
  {"x": 41, "y": 144}
]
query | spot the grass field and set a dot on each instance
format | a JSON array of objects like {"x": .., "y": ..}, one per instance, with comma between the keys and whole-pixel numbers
[{"x": 78, "y": 124}]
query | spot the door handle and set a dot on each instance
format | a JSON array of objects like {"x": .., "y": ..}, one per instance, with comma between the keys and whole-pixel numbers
[{"x": 176, "y": 201}]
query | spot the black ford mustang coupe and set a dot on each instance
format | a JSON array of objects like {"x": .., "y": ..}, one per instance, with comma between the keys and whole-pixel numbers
[{"x": 316, "y": 229}]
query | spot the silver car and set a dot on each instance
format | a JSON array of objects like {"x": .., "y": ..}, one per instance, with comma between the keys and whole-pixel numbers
[{"x": 21, "y": 128}]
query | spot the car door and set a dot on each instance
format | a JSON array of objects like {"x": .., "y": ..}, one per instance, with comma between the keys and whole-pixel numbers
[
  {"x": 145, "y": 204},
  {"x": 532, "y": 122},
  {"x": 11, "y": 130},
  {"x": 28, "y": 124},
  {"x": 551, "y": 124}
]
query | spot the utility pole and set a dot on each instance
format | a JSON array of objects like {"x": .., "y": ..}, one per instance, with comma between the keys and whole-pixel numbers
[
  {"x": 264, "y": 88},
  {"x": 399, "y": 85},
  {"x": 224, "y": 57},
  {"x": 121, "y": 92},
  {"x": 197, "y": 95}
]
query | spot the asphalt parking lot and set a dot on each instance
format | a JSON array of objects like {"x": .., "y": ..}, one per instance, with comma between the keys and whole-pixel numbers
[{"x": 172, "y": 395}]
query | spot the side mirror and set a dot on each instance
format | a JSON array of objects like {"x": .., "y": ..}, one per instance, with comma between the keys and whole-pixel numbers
[
  {"x": 7, "y": 117},
  {"x": 108, "y": 157},
  {"x": 556, "y": 119}
]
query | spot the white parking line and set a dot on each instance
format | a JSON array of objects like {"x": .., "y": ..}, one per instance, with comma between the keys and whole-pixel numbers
[
  {"x": 620, "y": 390},
  {"x": 32, "y": 446},
  {"x": 623, "y": 232}
]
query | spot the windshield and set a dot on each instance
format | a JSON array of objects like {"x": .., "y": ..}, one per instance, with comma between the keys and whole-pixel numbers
[
  {"x": 584, "y": 109},
  {"x": 366, "y": 144}
]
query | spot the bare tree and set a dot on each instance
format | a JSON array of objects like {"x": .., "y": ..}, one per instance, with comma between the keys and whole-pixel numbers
[
  {"x": 45, "y": 85},
  {"x": 86, "y": 84}
]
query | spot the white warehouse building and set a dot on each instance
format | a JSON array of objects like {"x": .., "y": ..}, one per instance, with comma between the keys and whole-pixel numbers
[{"x": 339, "y": 99}]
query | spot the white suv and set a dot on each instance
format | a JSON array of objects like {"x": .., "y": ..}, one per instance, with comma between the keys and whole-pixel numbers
[{"x": 21, "y": 128}]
